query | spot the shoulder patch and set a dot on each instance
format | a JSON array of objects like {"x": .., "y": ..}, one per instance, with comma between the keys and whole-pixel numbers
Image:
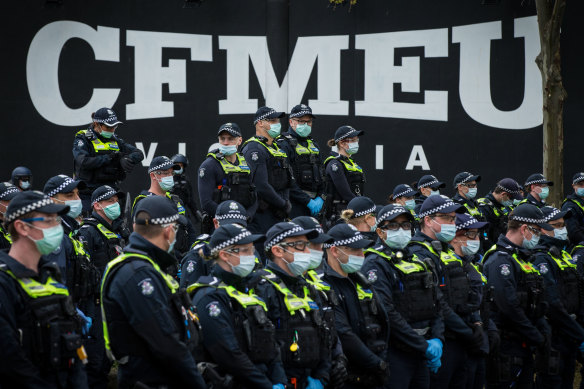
[
  {"x": 334, "y": 167},
  {"x": 190, "y": 266},
  {"x": 79, "y": 143},
  {"x": 146, "y": 286},
  {"x": 504, "y": 269},
  {"x": 543, "y": 268},
  {"x": 372, "y": 275},
  {"x": 213, "y": 308},
  {"x": 202, "y": 172},
  {"x": 254, "y": 156}
]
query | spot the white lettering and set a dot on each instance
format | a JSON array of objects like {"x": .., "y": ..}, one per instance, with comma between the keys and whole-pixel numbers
[
  {"x": 42, "y": 70},
  {"x": 418, "y": 158},
  {"x": 379, "y": 157},
  {"x": 150, "y": 74},
  {"x": 148, "y": 156}
]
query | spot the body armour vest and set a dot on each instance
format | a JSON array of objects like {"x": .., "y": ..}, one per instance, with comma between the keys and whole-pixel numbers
[
  {"x": 354, "y": 174},
  {"x": 279, "y": 175},
  {"x": 237, "y": 182}
]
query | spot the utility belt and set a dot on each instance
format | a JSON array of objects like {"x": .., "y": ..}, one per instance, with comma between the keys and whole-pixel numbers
[
  {"x": 301, "y": 341},
  {"x": 82, "y": 279}
]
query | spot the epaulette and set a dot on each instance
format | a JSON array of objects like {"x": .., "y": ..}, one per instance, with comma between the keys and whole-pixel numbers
[{"x": 485, "y": 201}]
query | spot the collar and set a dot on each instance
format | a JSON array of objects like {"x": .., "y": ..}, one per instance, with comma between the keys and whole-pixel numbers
[
  {"x": 532, "y": 200},
  {"x": 160, "y": 256},
  {"x": 69, "y": 224},
  {"x": 458, "y": 198},
  {"x": 229, "y": 278},
  {"x": 285, "y": 277},
  {"x": 21, "y": 271},
  {"x": 493, "y": 199},
  {"x": 330, "y": 272},
  {"x": 101, "y": 220},
  {"x": 294, "y": 134},
  {"x": 503, "y": 243},
  {"x": 547, "y": 242}
]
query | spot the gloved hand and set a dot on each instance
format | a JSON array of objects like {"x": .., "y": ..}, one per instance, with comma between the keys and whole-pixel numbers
[
  {"x": 313, "y": 383},
  {"x": 320, "y": 202},
  {"x": 338, "y": 372},
  {"x": 494, "y": 341},
  {"x": 434, "y": 349},
  {"x": 279, "y": 386},
  {"x": 313, "y": 206},
  {"x": 115, "y": 156},
  {"x": 581, "y": 347},
  {"x": 87, "y": 322},
  {"x": 477, "y": 340},
  {"x": 127, "y": 164},
  {"x": 434, "y": 365}
]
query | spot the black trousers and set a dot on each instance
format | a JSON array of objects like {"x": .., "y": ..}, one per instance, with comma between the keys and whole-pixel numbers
[{"x": 408, "y": 370}]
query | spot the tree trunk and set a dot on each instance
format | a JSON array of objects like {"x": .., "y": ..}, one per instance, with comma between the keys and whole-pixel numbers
[{"x": 550, "y": 14}]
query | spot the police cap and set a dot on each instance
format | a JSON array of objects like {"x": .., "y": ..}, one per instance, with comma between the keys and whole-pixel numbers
[
  {"x": 577, "y": 178},
  {"x": 464, "y": 221},
  {"x": 62, "y": 184},
  {"x": 346, "y": 132},
  {"x": 32, "y": 201},
  {"x": 464, "y": 177},
  {"x": 229, "y": 235},
  {"x": 104, "y": 192},
  {"x": 106, "y": 116},
  {"x": 362, "y": 206},
  {"x": 529, "y": 213},
  {"x": 162, "y": 162},
  {"x": 551, "y": 213},
  {"x": 310, "y": 223},
  {"x": 347, "y": 235},
  {"x": 231, "y": 128},
  {"x": 403, "y": 190},
  {"x": 8, "y": 191},
  {"x": 512, "y": 187},
  {"x": 267, "y": 113},
  {"x": 280, "y": 231},
  {"x": 430, "y": 181},
  {"x": 231, "y": 212},
  {"x": 391, "y": 211},
  {"x": 538, "y": 178},
  {"x": 301, "y": 110},
  {"x": 160, "y": 210},
  {"x": 439, "y": 204}
]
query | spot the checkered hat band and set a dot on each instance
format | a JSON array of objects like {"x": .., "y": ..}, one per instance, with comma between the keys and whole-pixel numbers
[
  {"x": 104, "y": 196},
  {"x": 437, "y": 209},
  {"x": 29, "y": 208},
  {"x": 390, "y": 213},
  {"x": 232, "y": 131},
  {"x": 579, "y": 178},
  {"x": 230, "y": 242},
  {"x": 163, "y": 166},
  {"x": 262, "y": 117},
  {"x": 164, "y": 220},
  {"x": 466, "y": 224},
  {"x": 344, "y": 242},
  {"x": 551, "y": 215},
  {"x": 365, "y": 212},
  {"x": 428, "y": 184},
  {"x": 60, "y": 187},
  {"x": 540, "y": 181},
  {"x": 231, "y": 216},
  {"x": 466, "y": 179},
  {"x": 347, "y": 135},
  {"x": 9, "y": 191},
  {"x": 508, "y": 190},
  {"x": 526, "y": 219},
  {"x": 278, "y": 238},
  {"x": 409, "y": 190},
  {"x": 300, "y": 113}
]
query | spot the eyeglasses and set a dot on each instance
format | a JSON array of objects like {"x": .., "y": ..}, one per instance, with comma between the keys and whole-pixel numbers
[
  {"x": 469, "y": 185},
  {"x": 50, "y": 220},
  {"x": 472, "y": 234},
  {"x": 447, "y": 218},
  {"x": 243, "y": 251},
  {"x": 299, "y": 245},
  {"x": 534, "y": 231},
  {"x": 394, "y": 226},
  {"x": 309, "y": 121},
  {"x": 174, "y": 226},
  {"x": 164, "y": 174},
  {"x": 558, "y": 224}
]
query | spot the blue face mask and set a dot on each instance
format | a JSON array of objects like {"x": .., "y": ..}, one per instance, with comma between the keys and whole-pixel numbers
[
  {"x": 531, "y": 243},
  {"x": 274, "y": 130},
  {"x": 580, "y": 192},
  {"x": 106, "y": 134},
  {"x": 447, "y": 232},
  {"x": 354, "y": 263},
  {"x": 472, "y": 193},
  {"x": 51, "y": 239},
  {"x": 300, "y": 264},
  {"x": 471, "y": 247},
  {"x": 179, "y": 171},
  {"x": 561, "y": 233},
  {"x": 410, "y": 205},
  {"x": 398, "y": 239},
  {"x": 434, "y": 193},
  {"x": 228, "y": 150},
  {"x": 516, "y": 202},
  {"x": 112, "y": 211},
  {"x": 75, "y": 208},
  {"x": 507, "y": 203},
  {"x": 25, "y": 184},
  {"x": 171, "y": 246},
  {"x": 353, "y": 148},
  {"x": 303, "y": 130},
  {"x": 246, "y": 265},
  {"x": 166, "y": 183},
  {"x": 544, "y": 193},
  {"x": 315, "y": 258}
]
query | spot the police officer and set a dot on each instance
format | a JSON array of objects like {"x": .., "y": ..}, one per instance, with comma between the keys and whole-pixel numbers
[
  {"x": 100, "y": 156},
  {"x": 537, "y": 188},
  {"x": 405, "y": 196},
  {"x": 465, "y": 184},
  {"x": 519, "y": 306},
  {"x": 437, "y": 230},
  {"x": 22, "y": 178},
  {"x": 329, "y": 300},
  {"x": 149, "y": 325},
  {"x": 360, "y": 213},
  {"x": 193, "y": 266},
  {"x": 406, "y": 288},
  {"x": 161, "y": 172},
  {"x": 467, "y": 244},
  {"x": 270, "y": 168},
  {"x": 360, "y": 319},
  {"x": 565, "y": 302},
  {"x": 575, "y": 203},
  {"x": 344, "y": 178},
  {"x": 236, "y": 330},
  {"x": 7, "y": 193},
  {"x": 183, "y": 187},
  {"x": 79, "y": 274},
  {"x": 225, "y": 174},
  {"x": 40, "y": 346},
  {"x": 427, "y": 186},
  {"x": 497, "y": 204},
  {"x": 100, "y": 234},
  {"x": 306, "y": 161},
  {"x": 294, "y": 306}
]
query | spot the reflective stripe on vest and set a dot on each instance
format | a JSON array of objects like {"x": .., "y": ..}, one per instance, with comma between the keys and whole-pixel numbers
[
  {"x": 405, "y": 267},
  {"x": 474, "y": 211},
  {"x": 483, "y": 278},
  {"x": 315, "y": 280},
  {"x": 525, "y": 266},
  {"x": 98, "y": 145},
  {"x": 105, "y": 232},
  {"x": 293, "y": 303},
  {"x": 578, "y": 246},
  {"x": 565, "y": 262},
  {"x": 228, "y": 167},
  {"x": 35, "y": 289},
  {"x": 277, "y": 152},
  {"x": 244, "y": 299},
  {"x": 364, "y": 294},
  {"x": 309, "y": 149},
  {"x": 6, "y": 235},
  {"x": 179, "y": 206},
  {"x": 446, "y": 257},
  {"x": 575, "y": 202},
  {"x": 351, "y": 166},
  {"x": 77, "y": 246},
  {"x": 168, "y": 279}
]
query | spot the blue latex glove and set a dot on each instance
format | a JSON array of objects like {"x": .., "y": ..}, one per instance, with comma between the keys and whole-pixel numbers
[
  {"x": 313, "y": 206},
  {"x": 434, "y": 349},
  {"x": 86, "y": 320},
  {"x": 313, "y": 383},
  {"x": 434, "y": 364},
  {"x": 581, "y": 348},
  {"x": 320, "y": 202},
  {"x": 278, "y": 386}
]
